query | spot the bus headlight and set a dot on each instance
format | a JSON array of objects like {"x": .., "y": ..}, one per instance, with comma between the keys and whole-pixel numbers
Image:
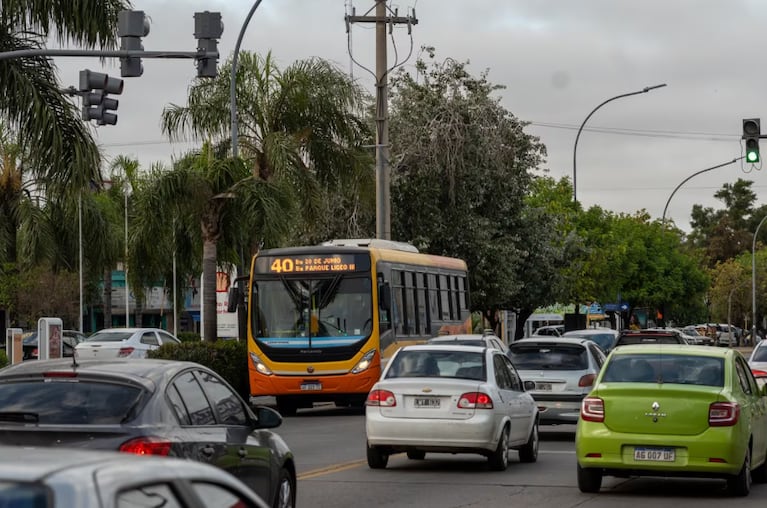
[
  {"x": 365, "y": 362},
  {"x": 259, "y": 365}
]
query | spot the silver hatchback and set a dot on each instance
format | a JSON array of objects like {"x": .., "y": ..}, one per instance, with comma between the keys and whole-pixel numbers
[{"x": 563, "y": 370}]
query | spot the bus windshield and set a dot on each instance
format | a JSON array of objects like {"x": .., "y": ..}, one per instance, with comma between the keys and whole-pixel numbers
[{"x": 308, "y": 312}]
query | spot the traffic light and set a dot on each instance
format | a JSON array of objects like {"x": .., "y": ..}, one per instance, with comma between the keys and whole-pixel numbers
[
  {"x": 207, "y": 30},
  {"x": 752, "y": 131},
  {"x": 95, "y": 88},
  {"x": 131, "y": 27}
]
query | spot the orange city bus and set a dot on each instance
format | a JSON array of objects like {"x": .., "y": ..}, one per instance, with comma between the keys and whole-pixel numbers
[{"x": 323, "y": 320}]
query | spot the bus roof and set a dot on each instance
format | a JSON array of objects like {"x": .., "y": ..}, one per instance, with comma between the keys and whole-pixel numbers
[{"x": 380, "y": 253}]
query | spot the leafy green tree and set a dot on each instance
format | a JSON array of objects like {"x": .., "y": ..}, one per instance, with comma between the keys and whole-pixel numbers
[
  {"x": 727, "y": 232},
  {"x": 299, "y": 126},
  {"x": 461, "y": 168},
  {"x": 59, "y": 144},
  {"x": 217, "y": 195}
]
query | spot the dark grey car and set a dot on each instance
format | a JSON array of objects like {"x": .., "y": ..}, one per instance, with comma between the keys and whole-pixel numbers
[{"x": 153, "y": 407}]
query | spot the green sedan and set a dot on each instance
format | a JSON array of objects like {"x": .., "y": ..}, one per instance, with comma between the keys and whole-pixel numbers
[{"x": 674, "y": 410}]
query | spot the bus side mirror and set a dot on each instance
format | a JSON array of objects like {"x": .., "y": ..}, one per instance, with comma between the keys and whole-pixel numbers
[
  {"x": 235, "y": 299},
  {"x": 384, "y": 296}
]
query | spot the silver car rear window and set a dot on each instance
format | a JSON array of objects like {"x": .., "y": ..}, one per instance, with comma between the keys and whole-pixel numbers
[
  {"x": 66, "y": 403},
  {"x": 438, "y": 363},
  {"x": 23, "y": 495},
  {"x": 549, "y": 357}
]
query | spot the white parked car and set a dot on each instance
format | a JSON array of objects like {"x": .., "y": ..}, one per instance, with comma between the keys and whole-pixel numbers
[
  {"x": 64, "y": 478},
  {"x": 450, "y": 399},
  {"x": 123, "y": 343}
]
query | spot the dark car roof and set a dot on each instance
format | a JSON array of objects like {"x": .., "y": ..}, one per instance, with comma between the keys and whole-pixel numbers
[
  {"x": 649, "y": 335},
  {"x": 138, "y": 370}
]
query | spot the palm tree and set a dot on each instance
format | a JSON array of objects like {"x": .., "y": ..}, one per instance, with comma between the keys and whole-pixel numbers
[
  {"x": 301, "y": 125},
  {"x": 59, "y": 143},
  {"x": 218, "y": 196},
  {"x": 301, "y": 138}
]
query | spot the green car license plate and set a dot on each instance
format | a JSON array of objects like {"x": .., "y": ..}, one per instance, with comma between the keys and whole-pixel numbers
[{"x": 654, "y": 454}]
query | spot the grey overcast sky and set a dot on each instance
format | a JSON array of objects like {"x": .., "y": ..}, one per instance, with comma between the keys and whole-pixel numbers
[{"x": 558, "y": 60}]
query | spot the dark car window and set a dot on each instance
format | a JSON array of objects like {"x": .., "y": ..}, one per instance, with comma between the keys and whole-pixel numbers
[
  {"x": 109, "y": 337},
  {"x": 516, "y": 382},
  {"x": 656, "y": 368},
  {"x": 637, "y": 338},
  {"x": 502, "y": 376},
  {"x": 65, "y": 403},
  {"x": 200, "y": 412},
  {"x": 599, "y": 357},
  {"x": 760, "y": 354},
  {"x": 150, "y": 338},
  {"x": 23, "y": 495},
  {"x": 167, "y": 338},
  {"x": 156, "y": 495},
  {"x": 437, "y": 363},
  {"x": 542, "y": 356},
  {"x": 227, "y": 403},
  {"x": 217, "y": 495},
  {"x": 178, "y": 405}
]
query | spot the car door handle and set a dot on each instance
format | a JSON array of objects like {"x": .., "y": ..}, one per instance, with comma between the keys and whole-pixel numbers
[
  {"x": 242, "y": 452},
  {"x": 207, "y": 450}
]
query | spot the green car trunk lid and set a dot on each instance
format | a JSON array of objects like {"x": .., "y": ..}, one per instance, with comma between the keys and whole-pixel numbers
[{"x": 657, "y": 408}]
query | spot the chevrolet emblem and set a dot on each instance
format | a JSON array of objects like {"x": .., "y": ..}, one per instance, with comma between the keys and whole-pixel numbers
[{"x": 426, "y": 390}]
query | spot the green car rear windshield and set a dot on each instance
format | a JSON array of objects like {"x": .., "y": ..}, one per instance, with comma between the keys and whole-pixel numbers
[{"x": 657, "y": 368}]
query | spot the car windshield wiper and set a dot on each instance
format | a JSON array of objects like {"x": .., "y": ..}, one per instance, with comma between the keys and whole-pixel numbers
[{"x": 19, "y": 416}]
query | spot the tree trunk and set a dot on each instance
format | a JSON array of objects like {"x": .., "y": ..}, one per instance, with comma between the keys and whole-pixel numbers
[
  {"x": 210, "y": 324},
  {"x": 107, "y": 300}
]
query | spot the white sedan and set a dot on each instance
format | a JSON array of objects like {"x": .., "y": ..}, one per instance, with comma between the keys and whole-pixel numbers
[
  {"x": 123, "y": 343},
  {"x": 450, "y": 399}
]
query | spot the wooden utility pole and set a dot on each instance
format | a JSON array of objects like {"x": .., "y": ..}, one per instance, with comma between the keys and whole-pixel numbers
[{"x": 382, "y": 19}]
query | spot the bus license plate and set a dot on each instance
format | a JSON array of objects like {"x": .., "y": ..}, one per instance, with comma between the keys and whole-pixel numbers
[
  {"x": 311, "y": 386},
  {"x": 655, "y": 454},
  {"x": 429, "y": 402}
]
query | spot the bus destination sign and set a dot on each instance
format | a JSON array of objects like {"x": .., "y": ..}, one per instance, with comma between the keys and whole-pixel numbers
[{"x": 310, "y": 263}]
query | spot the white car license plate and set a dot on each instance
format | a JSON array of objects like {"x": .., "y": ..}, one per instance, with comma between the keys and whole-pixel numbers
[
  {"x": 655, "y": 454},
  {"x": 430, "y": 402},
  {"x": 544, "y": 387},
  {"x": 311, "y": 386}
]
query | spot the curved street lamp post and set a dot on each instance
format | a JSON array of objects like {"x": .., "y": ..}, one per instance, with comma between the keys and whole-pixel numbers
[
  {"x": 233, "y": 79},
  {"x": 665, "y": 208},
  {"x": 578, "y": 135}
]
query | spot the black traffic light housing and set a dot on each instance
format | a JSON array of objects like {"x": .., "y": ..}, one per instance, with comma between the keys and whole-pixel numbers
[
  {"x": 752, "y": 131},
  {"x": 131, "y": 27},
  {"x": 95, "y": 88},
  {"x": 208, "y": 28}
]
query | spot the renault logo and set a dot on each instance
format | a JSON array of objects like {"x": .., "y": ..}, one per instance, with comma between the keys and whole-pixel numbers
[
  {"x": 310, "y": 369},
  {"x": 655, "y": 414}
]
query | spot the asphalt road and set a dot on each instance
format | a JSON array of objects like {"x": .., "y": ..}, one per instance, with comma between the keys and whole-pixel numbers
[{"x": 329, "y": 445}]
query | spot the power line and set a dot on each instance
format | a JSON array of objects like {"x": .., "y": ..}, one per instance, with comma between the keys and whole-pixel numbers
[{"x": 669, "y": 134}]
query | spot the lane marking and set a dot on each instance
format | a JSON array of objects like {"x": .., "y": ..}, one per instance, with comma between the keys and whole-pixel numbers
[
  {"x": 331, "y": 469},
  {"x": 344, "y": 466}
]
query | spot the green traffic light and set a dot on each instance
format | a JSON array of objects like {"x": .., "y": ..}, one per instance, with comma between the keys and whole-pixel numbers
[{"x": 752, "y": 156}]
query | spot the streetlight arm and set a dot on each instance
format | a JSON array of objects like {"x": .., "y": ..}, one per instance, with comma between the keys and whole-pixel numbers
[
  {"x": 665, "y": 208},
  {"x": 578, "y": 135},
  {"x": 233, "y": 80}
]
